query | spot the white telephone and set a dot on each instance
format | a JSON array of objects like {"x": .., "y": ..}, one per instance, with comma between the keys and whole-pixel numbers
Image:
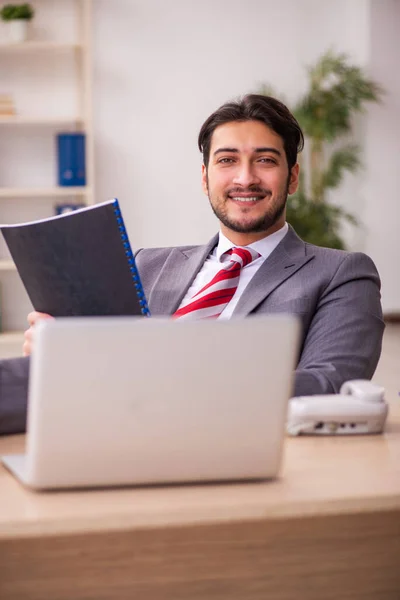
[{"x": 360, "y": 407}]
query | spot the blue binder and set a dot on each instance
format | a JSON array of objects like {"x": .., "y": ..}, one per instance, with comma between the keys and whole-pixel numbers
[{"x": 71, "y": 159}]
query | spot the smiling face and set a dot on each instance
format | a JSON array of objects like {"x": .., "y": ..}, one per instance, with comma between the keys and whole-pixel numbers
[{"x": 247, "y": 180}]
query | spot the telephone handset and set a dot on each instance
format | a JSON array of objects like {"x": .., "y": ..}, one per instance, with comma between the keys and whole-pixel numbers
[{"x": 359, "y": 408}]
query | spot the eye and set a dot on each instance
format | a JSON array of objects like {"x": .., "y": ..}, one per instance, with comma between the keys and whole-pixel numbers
[
  {"x": 267, "y": 160},
  {"x": 226, "y": 160}
]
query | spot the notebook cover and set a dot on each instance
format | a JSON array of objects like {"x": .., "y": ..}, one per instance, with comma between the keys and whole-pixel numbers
[{"x": 78, "y": 264}]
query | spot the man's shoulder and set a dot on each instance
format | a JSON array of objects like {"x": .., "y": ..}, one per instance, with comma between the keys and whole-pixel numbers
[
  {"x": 332, "y": 264},
  {"x": 330, "y": 255},
  {"x": 326, "y": 257},
  {"x": 337, "y": 256}
]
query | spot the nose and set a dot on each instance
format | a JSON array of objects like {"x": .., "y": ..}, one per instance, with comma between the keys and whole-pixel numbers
[{"x": 245, "y": 175}]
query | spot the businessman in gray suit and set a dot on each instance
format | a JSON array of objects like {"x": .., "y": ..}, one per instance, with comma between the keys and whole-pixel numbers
[{"x": 249, "y": 168}]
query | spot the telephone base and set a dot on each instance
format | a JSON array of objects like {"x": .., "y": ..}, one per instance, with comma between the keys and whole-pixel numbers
[
  {"x": 334, "y": 428},
  {"x": 360, "y": 408}
]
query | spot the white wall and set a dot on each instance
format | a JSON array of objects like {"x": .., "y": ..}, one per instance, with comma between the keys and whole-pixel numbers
[
  {"x": 169, "y": 66},
  {"x": 382, "y": 174},
  {"x": 157, "y": 79},
  {"x": 162, "y": 67}
]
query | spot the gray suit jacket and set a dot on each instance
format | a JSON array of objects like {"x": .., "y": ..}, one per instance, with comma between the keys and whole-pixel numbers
[{"x": 335, "y": 294}]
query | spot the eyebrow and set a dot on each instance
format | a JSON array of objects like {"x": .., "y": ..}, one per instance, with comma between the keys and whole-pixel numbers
[{"x": 257, "y": 150}]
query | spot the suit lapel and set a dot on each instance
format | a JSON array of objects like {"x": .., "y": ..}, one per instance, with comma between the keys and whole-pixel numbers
[
  {"x": 287, "y": 258},
  {"x": 178, "y": 273},
  {"x": 182, "y": 266}
]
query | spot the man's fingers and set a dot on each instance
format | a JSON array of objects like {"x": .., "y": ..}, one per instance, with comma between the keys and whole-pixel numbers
[
  {"x": 26, "y": 349},
  {"x": 31, "y": 318},
  {"x": 35, "y": 316},
  {"x": 27, "y": 345}
]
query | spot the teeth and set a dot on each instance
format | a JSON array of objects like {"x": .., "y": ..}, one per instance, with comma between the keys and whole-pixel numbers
[{"x": 240, "y": 199}]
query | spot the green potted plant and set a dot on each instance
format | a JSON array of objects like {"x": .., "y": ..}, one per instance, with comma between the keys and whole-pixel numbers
[
  {"x": 337, "y": 91},
  {"x": 17, "y": 17}
]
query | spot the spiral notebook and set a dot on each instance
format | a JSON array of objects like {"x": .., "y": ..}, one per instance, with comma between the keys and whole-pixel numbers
[{"x": 78, "y": 263}]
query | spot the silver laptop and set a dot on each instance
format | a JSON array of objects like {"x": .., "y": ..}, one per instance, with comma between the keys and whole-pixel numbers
[{"x": 125, "y": 400}]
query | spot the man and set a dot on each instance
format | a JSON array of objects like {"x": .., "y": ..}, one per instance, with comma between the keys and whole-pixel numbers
[{"x": 256, "y": 264}]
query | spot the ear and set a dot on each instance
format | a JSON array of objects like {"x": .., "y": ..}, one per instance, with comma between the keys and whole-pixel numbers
[
  {"x": 204, "y": 179},
  {"x": 294, "y": 179}
]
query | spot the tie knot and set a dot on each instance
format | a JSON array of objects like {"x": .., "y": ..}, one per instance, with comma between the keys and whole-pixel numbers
[{"x": 243, "y": 256}]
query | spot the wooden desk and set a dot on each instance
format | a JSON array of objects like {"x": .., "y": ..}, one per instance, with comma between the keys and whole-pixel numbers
[{"x": 328, "y": 529}]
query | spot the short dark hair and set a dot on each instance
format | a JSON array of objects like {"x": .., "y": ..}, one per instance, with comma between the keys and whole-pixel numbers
[{"x": 256, "y": 107}]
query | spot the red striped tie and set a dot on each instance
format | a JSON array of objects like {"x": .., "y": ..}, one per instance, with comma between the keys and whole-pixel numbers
[{"x": 211, "y": 300}]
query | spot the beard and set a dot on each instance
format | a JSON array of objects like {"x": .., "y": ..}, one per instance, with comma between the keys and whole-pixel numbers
[{"x": 271, "y": 216}]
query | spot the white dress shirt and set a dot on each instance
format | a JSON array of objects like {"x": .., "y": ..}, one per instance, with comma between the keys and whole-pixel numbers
[{"x": 212, "y": 265}]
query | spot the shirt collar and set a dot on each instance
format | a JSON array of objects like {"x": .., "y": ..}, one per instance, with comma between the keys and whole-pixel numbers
[{"x": 263, "y": 247}]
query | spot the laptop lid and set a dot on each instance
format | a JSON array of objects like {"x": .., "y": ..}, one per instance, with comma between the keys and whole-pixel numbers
[{"x": 125, "y": 400}]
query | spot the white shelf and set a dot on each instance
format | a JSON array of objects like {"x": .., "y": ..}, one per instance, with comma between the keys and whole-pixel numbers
[
  {"x": 29, "y": 120},
  {"x": 60, "y": 49},
  {"x": 14, "y": 192},
  {"x": 11, "y": 337},
  {"x": 6, "y": 264},
  {"x": 39, "y": 46},
  {"x": 11, "y": 343}
]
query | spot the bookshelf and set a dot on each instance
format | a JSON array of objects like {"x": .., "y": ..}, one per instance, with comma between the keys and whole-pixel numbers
[
  {"x": 50, "y": 80},
  {"x": 30, "y": 47},
  {"x": 11, "y": 344},
  {"x": 50, "y": 192},
  {"x": 42, "y": 121}
]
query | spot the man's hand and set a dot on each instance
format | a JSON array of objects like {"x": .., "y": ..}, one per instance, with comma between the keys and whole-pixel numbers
[{"x": 33, "y": 318}]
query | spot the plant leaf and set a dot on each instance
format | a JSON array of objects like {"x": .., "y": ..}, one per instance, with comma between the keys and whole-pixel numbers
[{"x": 345, "y": 159}]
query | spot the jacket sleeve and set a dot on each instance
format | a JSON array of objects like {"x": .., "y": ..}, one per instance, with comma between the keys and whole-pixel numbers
[
  {"x": 14, "y": 375},
  {"x": 344, "y": 339}
]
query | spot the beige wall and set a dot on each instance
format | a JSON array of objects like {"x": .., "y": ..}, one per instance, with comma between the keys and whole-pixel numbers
[
  {"x": 381, "y": 180},
  {"x": 160, "y": 67}
]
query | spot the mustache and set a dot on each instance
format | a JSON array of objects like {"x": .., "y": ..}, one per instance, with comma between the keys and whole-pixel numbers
[{"x": 250, "y": 190}]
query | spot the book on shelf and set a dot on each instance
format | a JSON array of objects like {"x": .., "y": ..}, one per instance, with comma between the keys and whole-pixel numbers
[
  {"x": 71, "y": 159},
  {"x": 79, "y": 263}
]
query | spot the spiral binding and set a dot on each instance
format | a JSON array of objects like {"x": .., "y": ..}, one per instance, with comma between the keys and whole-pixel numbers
[{"x": 131, "y": 261}]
